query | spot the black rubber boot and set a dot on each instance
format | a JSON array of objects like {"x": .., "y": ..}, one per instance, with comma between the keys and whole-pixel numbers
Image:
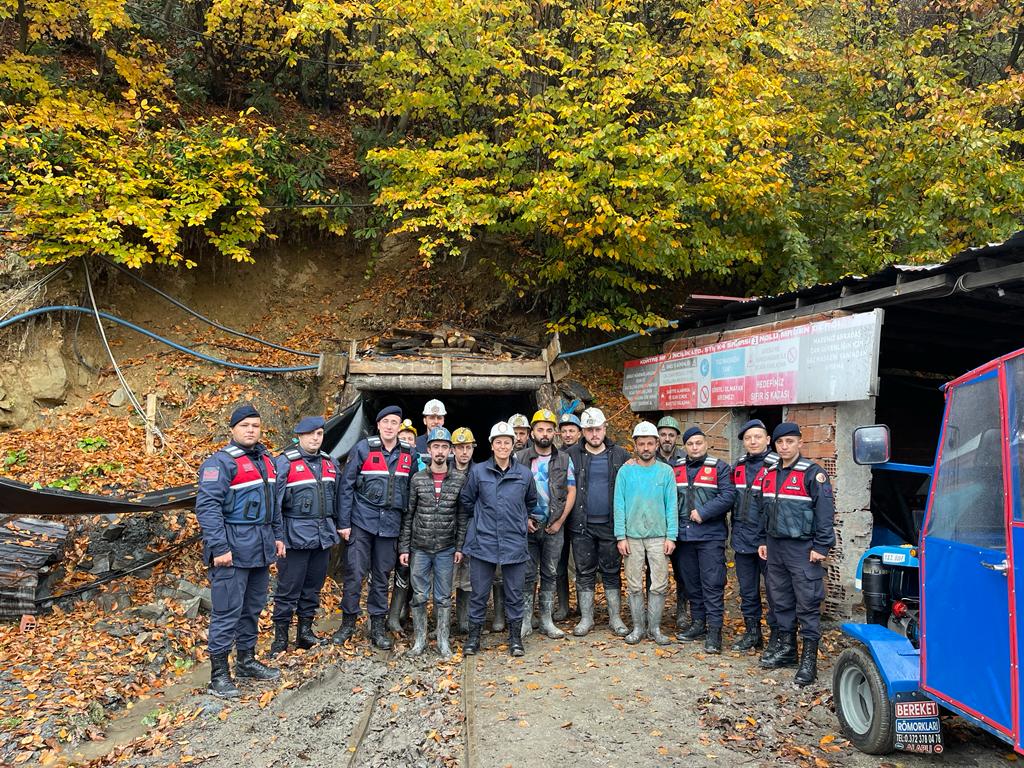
[
  {"x": 515, "y": 638},
  {"x": 461, "y": 611},
  {"x": 808, "y": 671},
  {"x": 713, "y": 640},
  {"x": 785, "y": 654},
  {"x": 305, "y": 637},
  {"x": 280, "y": 644},
  {"x": 562, "y": 612},
  {"x": 346, "y": 630},
  {"x": 696, "y": 631},
  {"x": 751, "y": 638},
  {"x": 379, "y": 634},
  {"x": 399, "y": 599},
  {"x": 246, "y": 665},
  {"x": 221, "y": 683},
  {"x": 472, "y": 646}
]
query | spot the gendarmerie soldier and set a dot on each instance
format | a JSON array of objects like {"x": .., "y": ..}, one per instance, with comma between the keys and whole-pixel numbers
[
  {"x": 748, "y": 533},
  {"x": 243, "y": 534},
  {"x": 798, "y": 507},
  {"x": 706, "y": 494},
  {"x": 373, "y": 494},
  {"x": 307, "y": 494}
]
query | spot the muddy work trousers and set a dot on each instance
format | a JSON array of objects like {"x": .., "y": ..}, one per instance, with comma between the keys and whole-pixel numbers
[
  {"x": 594, "y": 551},
  {"x": 651, "y": 551},
  {"x": 237, "y": 595},
  {"x": 545, "y": 549}
]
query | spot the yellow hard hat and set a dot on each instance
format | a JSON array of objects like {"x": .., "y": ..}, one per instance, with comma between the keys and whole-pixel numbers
[
  {"x": 544, "y": 415},
  {"x": 463, "y": 436},
  {"x": 406, "y": 426}
]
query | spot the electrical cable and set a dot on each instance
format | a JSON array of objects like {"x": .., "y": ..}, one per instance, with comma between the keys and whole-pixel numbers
[
  {"x": 205, "y": 319},
  {"x": 623, "y": 339},
  {"x": 155, "y": 337}
]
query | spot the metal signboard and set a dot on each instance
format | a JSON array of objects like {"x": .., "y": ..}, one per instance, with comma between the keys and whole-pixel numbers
[
  {"x": 825, "y": 361},
  {"x": 916, "y": 726}
]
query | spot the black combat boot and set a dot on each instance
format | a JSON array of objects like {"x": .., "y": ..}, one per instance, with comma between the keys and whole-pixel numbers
[
  {"x": 785, "y": 654},
  {"x": 379, "y": 634},
  {"x": 751, "y": 638},
  {"x": 346, "y": 630},
  {"x": 683, "y": 620},
  {"x": 280, "y": 644},
  {"x": 472, "y": 645},
  {"x": 221, "y": 683},
  {"x": 774, "y": 638},
  {"x": 713, "y": 640},
  {"x": 808, "y": 671},
  {"x": 515, "y": 637},
  {"x": 696, "y": 631},
  {"x": 246, "y": 665},
  {"x": 305, "y": 637}
]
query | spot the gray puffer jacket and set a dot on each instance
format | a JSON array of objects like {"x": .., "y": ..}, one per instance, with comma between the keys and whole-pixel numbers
[{"x": 433, "y": 523}]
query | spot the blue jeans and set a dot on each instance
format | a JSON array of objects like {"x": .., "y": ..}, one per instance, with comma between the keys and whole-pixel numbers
[{"x": 438, "y": 567}]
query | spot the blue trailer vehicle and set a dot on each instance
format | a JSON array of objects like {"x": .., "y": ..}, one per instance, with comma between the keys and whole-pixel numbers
[{"x": 944, "y": 628}]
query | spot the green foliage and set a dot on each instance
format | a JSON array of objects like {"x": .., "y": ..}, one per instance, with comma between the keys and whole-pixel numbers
[
  {"x": 90, "y": 444},
  {"x": 616, "y": 150},
  {"x": 17, "y": 457}
]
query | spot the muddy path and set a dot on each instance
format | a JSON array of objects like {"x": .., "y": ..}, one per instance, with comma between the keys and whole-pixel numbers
[{"x": 590, "y": 701}]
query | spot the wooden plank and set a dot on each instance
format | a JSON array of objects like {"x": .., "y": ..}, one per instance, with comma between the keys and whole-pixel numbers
[
  {"x": 552, "y": 350},
  {"x": 446, "y": 373},
  {"x": 460, "y": 367},
  {"x": 559, "y": 370},
  {"x": 379, "y": 383}
]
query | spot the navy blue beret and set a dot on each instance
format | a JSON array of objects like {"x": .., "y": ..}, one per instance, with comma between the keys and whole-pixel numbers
[
  {"x": 243, "y": 412},
  {"x": 691, "y": 432},
  {"x": 784, "y": 429},
  {"x": 389, "y": 410},
  {"x": 750, "y": 425},
  {"x": 309, "y": 424}
]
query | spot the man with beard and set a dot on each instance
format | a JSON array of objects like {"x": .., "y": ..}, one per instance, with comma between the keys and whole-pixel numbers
[
  {"x": 433, "y": 532},
  {"x": 556, "y": 492},
  {"x": 645, "y": 529},
  {"x": 597, "y": 461}
]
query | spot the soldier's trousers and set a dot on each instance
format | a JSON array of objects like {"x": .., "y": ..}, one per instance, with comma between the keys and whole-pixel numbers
[
  {"x": 237, "y": 595},
  {"x": 702, "y": 564},
  {"x": 796, "y": 585},
  {"x": 750, "y": 571},
  {"x": 376, "y": 555},
  {"x": 300, "y": 577}
]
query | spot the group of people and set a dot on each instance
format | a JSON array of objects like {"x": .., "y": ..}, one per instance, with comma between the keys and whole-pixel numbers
[{"x": 417, "y": 509}]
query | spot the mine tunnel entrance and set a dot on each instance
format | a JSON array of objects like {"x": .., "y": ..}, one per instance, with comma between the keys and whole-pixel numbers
[{"x": 476, "y": 410}]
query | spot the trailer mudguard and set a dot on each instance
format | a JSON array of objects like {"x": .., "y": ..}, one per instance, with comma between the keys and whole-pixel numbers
[{"x": 898, "y": 661}]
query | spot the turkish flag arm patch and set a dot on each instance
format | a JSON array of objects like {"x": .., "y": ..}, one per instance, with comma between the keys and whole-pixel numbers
[{"x": 210, "y": 475}]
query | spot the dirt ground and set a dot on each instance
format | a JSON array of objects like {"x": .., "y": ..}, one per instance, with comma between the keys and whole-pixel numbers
[{"x": 591, "y": 701}]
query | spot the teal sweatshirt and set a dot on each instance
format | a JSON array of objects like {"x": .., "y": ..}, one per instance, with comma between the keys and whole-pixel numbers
[{"x": 645, "y": 502}]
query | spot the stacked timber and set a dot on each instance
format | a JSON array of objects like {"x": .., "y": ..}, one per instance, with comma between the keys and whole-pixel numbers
[{"x": 29, "y": 547}]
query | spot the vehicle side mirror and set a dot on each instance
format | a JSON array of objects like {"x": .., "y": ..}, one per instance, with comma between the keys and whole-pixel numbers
[{"x": 871, "y": 444}]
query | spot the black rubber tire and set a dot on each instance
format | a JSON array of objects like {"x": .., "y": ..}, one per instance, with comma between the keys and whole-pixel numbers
[{"x": 852, "y": 665}]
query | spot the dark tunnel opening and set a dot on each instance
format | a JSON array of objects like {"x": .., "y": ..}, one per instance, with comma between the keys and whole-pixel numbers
[{"x": 478, "y": 411}]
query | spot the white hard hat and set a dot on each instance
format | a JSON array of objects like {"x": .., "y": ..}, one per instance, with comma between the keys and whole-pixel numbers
[
  {"x": 592, "y": 417},
  {"x": 502, "y": 429},
  {"x": 434, "y": 408},
  {"x": 517, "y": 420},
  {"x": 645, "y": 429}
]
